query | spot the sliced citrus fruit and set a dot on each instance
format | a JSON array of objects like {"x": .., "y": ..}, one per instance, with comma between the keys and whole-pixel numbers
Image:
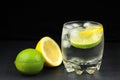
[
  {"x": 50, "y": 51},
  {"x": 91, "y": 30},
  {"x": 86, "y": 38}
]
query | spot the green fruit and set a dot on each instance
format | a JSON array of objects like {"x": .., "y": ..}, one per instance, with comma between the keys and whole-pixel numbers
[
  {"x": 86, "y": 38},
  {"x": 29, "y": 61},
  {"x": 85, "y": 45}
]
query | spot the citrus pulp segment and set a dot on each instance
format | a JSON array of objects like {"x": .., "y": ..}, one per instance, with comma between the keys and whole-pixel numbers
[
  {"x": 50, "y": 51},
  {"x": 86, "y": 38}
]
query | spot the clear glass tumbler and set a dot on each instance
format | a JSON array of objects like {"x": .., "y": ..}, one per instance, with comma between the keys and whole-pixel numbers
[{"x": 82, "y": 46}]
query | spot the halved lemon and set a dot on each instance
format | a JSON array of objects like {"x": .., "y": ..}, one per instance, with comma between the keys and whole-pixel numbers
[
  {"x": 50, "y": 51},
  {"x": 86, "y": 38}
]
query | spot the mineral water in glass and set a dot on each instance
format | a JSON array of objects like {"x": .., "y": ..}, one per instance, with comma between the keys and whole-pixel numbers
[{"x": 82, "y": 46}]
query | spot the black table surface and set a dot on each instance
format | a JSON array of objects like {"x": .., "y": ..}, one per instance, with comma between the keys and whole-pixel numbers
[{"x": 110, "y": 69}]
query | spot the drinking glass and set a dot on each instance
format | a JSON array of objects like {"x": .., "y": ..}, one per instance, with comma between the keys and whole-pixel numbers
[{"x": 82, "y": 44}]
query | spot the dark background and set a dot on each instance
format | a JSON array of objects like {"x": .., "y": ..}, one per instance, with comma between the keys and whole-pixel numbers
[
  {"x": 24, "y": 23},
  {"x": 33, "y": 20}
]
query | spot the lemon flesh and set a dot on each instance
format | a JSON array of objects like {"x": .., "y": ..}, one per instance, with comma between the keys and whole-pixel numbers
[
  {"x": 86, "y": 38},
  {"x": 29, "y": 62},
  {"x": 50, "y": 51}
]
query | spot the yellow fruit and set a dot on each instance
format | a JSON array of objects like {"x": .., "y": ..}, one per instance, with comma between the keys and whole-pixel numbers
[
  {"x": 50, "y": 51},
  {"x": 90, "y": 31},
  {"x": 87, "y": 38}
]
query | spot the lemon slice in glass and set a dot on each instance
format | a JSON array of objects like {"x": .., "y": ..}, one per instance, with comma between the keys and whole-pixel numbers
[{"x": 86, "y": 38}]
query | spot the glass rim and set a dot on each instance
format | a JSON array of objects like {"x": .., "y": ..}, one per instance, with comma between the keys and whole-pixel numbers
[{"x": 82, "y": 21}]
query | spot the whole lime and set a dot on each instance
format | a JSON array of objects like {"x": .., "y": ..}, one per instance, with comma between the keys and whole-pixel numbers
[{"x": 29, "y": 61}]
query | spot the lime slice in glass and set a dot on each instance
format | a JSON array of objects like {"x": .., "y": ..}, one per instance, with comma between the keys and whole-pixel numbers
[{"x": 86, "y": 37}]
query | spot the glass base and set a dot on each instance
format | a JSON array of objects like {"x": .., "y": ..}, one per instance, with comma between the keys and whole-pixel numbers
[{"x": 79, "y": 69}]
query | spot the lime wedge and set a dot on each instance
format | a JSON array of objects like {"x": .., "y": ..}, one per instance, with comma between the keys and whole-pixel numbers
[{"x": 86, "y": 38}]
